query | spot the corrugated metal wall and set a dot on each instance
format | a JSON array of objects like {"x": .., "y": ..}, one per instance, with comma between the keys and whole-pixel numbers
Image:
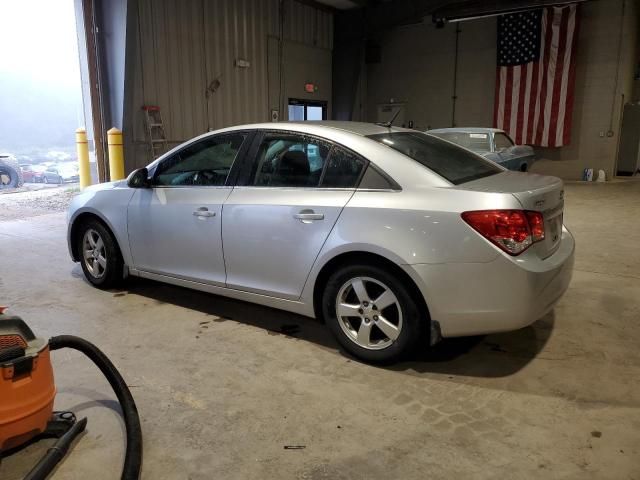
[
  {"x": 185, "y": 62},
  {"x": 308, "y": 25}
]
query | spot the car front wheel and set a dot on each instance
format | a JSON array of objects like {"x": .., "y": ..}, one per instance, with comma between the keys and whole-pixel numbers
[
  {"x": 100, "y": 255},
  {"x": 372, "y": 314}
]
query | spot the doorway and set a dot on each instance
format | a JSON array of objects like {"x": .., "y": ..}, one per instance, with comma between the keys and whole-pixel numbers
[{"x": 303, "y": 110}]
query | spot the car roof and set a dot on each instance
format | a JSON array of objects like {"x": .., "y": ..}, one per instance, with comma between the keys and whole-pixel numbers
[
  {"x": 358, "y": 128},
  {"x": 466, "y": 130}
]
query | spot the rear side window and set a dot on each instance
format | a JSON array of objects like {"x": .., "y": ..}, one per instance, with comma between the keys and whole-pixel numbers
[
  {"x": 454, "y": 163},
  {"x": 343, "y": 169},
  {"x": 289, "y": 160}
]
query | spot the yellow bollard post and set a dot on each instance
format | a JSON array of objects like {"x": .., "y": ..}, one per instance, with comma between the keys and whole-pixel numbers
[
  {"x": 116, "y": 156},
  {"x": 82, "y": 147}
]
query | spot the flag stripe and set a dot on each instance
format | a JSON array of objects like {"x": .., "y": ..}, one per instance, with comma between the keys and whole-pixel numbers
[
  {"x": 526, "y": 107},
  {"x": 550, "y": 77},
  {"x": 521, "y": 99},
  {"x": 508, "y": 88},
  {"x": 558, "y": 74},
  {"x": 515, "y": 89},
  {"x": 546, "y": 42},
  {"x": 565, "y": 76},
  {"x": 534, "y": 100},
  {"x": 566, "y": 136}
]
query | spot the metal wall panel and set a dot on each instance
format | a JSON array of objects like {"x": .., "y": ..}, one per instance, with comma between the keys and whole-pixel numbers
[
  {"x": 186, "y": 62},
  {"x": 306, "y": 24}
]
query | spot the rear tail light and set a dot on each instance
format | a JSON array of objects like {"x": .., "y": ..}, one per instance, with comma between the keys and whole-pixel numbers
[{"x": 512, "y": 230}]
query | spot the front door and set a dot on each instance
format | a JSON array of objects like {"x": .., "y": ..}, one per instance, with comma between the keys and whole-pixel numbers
[
  {"x": 174, "y": 227},
  {"x": 275, "y": 223}
]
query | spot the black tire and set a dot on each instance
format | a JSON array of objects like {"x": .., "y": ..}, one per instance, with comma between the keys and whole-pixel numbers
[
  {"x": 524, "y": 167},
  {"x": 113, "y": 271},
  {"x": 10, "y": 170},
  {"x": 414, "y": 321}
]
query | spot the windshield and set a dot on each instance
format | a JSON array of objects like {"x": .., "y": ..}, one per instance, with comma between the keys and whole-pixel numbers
[
  {"x": 476, "y": 142},
  {"x": 455, "y": 164}
]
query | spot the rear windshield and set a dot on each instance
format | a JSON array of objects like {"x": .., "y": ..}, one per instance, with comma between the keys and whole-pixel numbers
[
  {"x": 456, "y": 164},
  {"x": 476, "y": 142}
]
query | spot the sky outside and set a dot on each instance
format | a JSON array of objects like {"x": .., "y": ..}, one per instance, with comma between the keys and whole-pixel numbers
[{"x": 40, "y": 96}]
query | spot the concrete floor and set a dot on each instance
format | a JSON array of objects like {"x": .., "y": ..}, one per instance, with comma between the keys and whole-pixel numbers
[{"x": 222, "y": 386}]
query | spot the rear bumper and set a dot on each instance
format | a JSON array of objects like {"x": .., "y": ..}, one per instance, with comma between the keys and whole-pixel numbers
[{"x": 501, "y": 295}]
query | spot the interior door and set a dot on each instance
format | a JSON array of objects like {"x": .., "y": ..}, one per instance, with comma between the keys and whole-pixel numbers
[
  {"x": 276, "y": 222},
  {"x": 303, "y": 110},
  {"x": 175, "y": 226}
]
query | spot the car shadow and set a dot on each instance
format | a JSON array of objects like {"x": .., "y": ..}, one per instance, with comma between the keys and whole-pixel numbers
[
  {"x": 488, "y": 356},
  {"x": 496, "y": 355}
]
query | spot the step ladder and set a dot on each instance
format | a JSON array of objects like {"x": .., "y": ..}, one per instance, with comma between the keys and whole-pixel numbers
[{"x": 155, "y": 131}]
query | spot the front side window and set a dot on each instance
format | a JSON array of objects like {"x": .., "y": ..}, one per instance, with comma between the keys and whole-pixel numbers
[
  {"x": 204, "y": 163},
  {"x": 456, "y": 164},
  {"x": 502, "y": 141},
  {"x": 289, "y": 160}
]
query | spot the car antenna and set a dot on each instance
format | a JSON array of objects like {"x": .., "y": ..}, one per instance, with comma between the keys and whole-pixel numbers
[{"x": 390, "y": 122}]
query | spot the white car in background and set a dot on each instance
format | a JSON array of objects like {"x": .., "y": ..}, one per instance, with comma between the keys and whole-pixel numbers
[{"x": 491, "y": 143}]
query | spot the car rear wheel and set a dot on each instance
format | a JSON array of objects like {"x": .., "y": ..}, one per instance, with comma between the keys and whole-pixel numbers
[
  {"x": 10, "y": 175},
  {"x": 100, "y": 255},
  {"x": 372, "y": 314}
]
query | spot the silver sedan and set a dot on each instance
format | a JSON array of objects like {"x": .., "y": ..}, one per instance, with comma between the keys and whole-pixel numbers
[{"x": 393, "y": 237}]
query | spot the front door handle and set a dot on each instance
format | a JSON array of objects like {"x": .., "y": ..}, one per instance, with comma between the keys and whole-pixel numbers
[
  {"x": 204, "y": 212},
  {"x": 308, "y": 216}
]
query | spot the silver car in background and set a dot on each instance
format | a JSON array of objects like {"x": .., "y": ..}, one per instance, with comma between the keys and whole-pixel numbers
[
  {"x": 393, "y": 237},
  {"x": 492, "y": 144}
]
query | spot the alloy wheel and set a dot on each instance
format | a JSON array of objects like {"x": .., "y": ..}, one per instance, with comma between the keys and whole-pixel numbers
[
  {"x": 369, "y": 313},
  {"x": 94, "y": 253}
]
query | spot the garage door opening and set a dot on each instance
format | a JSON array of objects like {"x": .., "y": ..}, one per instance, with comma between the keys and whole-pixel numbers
[
  {"x": 303, "y": 110},
  {"x": 41, "y": 108}
]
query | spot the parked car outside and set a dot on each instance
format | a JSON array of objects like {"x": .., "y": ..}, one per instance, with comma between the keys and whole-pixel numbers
[
  {"x": 60, "y": 174},
  {"x": 491, "y": 143},
  {"x": 393, "y": 237},
  {"x": 33, "y": 173}
]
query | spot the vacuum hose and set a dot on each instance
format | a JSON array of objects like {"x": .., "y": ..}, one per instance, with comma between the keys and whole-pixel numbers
[{"x": 133, "y": 453}]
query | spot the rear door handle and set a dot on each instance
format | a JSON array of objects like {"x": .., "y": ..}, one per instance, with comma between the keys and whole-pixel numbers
[
  {"x": 308, "y": 216},
  {"x": 204, "y": 212}
]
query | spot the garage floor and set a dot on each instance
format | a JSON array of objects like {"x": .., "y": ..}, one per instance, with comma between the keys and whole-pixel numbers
[{"x": 222, "y": 386}]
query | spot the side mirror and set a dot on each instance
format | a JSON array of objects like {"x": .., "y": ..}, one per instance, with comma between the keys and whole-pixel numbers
[{"x": 139, "y": 179}]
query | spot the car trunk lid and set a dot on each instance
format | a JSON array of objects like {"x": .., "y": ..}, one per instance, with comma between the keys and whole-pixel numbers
[{"x": 540, "y": 193}]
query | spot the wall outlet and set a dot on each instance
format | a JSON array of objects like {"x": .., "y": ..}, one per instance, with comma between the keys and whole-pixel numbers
[
  {"x": 601, "y": 134},
  {"x": 610, "y": 133}
]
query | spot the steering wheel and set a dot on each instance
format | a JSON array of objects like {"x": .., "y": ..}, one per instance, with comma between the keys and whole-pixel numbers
[{"x": 205, "y": 177}]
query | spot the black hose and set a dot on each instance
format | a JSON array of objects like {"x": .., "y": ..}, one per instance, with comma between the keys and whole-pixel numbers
[
  {"x": 56, "y": 453},
  {"x": 133, "y": 452}
]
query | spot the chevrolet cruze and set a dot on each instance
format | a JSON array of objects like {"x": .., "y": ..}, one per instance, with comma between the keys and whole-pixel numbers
[{"x": 393, "y": 237}]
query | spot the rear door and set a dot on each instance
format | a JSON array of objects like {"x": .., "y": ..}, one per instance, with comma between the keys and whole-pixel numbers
[{"x": 278, "y": 217}]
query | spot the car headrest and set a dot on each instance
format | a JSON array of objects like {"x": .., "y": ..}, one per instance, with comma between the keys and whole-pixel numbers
[{"x": 294, "y": 162}]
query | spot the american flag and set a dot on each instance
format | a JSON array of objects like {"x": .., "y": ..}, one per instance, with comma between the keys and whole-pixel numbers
[{"x": 535, "y": 77}]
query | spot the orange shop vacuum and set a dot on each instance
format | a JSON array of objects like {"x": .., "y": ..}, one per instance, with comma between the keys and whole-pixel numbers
[{"x": 27, "y": 393}]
